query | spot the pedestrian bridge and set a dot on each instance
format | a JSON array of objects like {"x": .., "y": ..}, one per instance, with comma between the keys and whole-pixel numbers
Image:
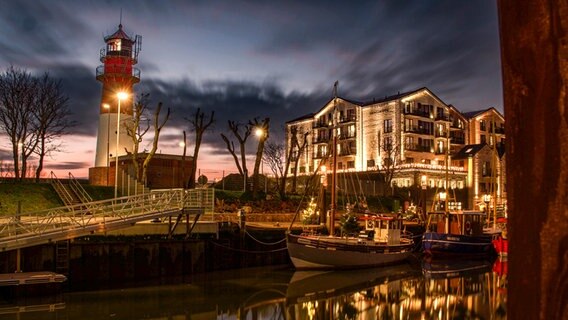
[{"x": 63, "y": 223}]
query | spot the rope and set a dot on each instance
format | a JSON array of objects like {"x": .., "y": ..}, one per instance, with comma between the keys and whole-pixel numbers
[
  {"x": 264, "y": 243},
  {"x": 247, "y": 251}
]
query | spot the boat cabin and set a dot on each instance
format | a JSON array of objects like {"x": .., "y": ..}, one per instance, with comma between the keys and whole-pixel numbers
[
  {"x": 384, "y": 229},
  {"x": 459, "y": 222}
]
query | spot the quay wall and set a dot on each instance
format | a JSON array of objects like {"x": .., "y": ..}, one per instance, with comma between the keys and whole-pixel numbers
[{"x": 109, "y": 260}]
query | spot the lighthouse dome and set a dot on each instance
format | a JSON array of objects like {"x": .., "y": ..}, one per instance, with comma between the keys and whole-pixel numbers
[{"x": 119, "y": 34}]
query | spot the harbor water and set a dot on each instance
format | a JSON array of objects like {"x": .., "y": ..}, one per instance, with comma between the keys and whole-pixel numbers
[{"x": 421, "y": 289}]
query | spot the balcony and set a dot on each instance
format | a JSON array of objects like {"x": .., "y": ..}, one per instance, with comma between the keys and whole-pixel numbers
[
  {"x": 347, "y": 152},
  {"x": 418, "y": 130},
  {"x": 457, "y": 140},
  {"x": 456, "y": 125},
  {"x": 419, "y": 113},
  {"x": 442, "y": 134},
  {"x": 320, "y": 155},
  {"x": 320, "y": 124},
  {"x": 440, "y": 151},
  {"x": 119, "y": 71},
  {"x": 416, "y": 147},
  {"x": 348, "y": 119},
  {"x": 442, "y": 117},
  {"x": 346, "y": 136},
  {"x": 321, "y": 139},
  {"x": 499, "y": 130}
]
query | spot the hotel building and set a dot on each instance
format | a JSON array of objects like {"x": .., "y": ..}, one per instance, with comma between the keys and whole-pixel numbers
[{"x": 415, "y": 135}]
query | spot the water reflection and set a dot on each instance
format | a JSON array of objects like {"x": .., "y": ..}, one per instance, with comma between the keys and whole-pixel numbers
[{"x": 427, "y": 290}]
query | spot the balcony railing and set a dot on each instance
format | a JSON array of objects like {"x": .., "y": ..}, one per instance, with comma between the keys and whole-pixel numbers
[
  {"x": 347, "y": 152},
  {"x": 440, "y": 151},
  {"x": 442, "y": 117},
  {"x": 457, "y": 140},
  {"x": 118, "y": 70},
  {"x": 417, "y": 147},
  {"x": 347, "y": 119},
  {"x": 320, "y": 155},
  {"x": 418, "y": 130},
  {"x": 456, "y": 125},
  {"x": 419, "y": 113},
  {"x": 345, "y": 136},
  {"x": 321, "y": 139},
  {"x": 320, "y": 124},
  {"x": 442, "y": 134}
]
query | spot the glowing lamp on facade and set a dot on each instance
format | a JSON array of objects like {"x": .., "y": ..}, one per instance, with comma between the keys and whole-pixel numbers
[{"x": 442, "y": 196}]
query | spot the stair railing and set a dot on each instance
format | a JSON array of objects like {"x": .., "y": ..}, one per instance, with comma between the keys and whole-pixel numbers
[
  {"x": 60, "y": 189},
  {"x": 78, "y": 189}
]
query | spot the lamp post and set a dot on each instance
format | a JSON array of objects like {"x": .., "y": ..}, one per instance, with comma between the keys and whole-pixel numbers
[
  {"x": 259, "y": 132},
  {"x": 107, "y": 107},
  {"x": 120, "y": 96}
]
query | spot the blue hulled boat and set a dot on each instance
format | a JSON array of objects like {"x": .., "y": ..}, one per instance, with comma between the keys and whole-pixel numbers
[{"x": 456, "y": 233}]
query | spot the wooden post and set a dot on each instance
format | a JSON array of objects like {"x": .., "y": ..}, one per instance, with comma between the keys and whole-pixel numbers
[{"x": 534, "y": 55}]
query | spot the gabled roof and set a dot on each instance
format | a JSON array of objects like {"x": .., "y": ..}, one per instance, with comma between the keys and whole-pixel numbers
[
  {"x": 468, "y": 151},
  {"x": 397, "y": 96},
  {"x": 304, "y": 117},
  {"x": 473, "y": 114},
  {"x": 119, "y": 34}
]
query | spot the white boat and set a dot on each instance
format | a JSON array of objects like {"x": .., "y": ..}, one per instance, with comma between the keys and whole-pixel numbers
[{"x": 383, "y": 243}]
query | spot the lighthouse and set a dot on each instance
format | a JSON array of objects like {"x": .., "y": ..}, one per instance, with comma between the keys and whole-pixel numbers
[{"x": 118, "y": 76}]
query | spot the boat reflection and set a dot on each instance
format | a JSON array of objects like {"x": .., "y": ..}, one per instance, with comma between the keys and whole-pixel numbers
[
  {"x": 438, "y": 290},
  {"x": 428, "y": 291}
]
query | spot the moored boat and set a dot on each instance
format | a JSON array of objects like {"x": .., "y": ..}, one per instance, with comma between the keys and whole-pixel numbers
[
  {"x": 383, "y": 243},
  {"x": 457, "y": 233}
]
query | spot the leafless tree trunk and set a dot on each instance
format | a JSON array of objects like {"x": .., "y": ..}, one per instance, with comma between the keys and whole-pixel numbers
[
  {"x": 390, "y": 162},
  {"x": 274, "y": 158},
  {"x": 242, "y": 138},
  {"x": 51, "y": 115},
  {"x": 157, "y": 129},
  {"x": 300, "y": 149},
  {"x": 199, "y": 125},
  {"x": 263, "y": 131},
  {"x": 136, "y": 132}
]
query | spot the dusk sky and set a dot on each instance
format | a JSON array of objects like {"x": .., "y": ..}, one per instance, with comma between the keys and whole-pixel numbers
[{"x": 247, "y": 59}]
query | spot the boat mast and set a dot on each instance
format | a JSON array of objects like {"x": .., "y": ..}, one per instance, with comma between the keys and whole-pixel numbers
[
  {"x": 334, "y": 165},
  {"x": 493, "y": 173},
  {"x": 447, "y": 160}
]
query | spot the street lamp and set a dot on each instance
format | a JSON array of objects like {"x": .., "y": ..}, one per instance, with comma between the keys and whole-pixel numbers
[
  {"x": 107, "y": 107},
  {"x": 259, "y": 132},
  {"x": 120, "y": 96}
]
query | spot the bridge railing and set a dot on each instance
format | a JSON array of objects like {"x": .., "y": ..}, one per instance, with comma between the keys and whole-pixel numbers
[{"x": 27, "y": 229}]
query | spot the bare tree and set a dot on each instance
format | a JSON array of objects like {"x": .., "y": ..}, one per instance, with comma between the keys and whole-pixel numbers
[
  {"x": 263, "y": 132},
  {"x": 51, "y": 115},
  {"x": 198, "y": 124},
  {"x": 297, "y": 148},
  {"x": 17, "y": 102},
  {"x": 235, "y": 128},
  {"x": 136, "y": 129},
  {"x": 157, "y": 129},
  {"x": 389, "y": 153},
  {"x": 274, "y": 158}
]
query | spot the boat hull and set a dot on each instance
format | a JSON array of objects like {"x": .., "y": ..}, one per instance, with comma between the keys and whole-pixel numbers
[
  {"x": 309, "y": 253},
  {"x": 435, "y": 244}
]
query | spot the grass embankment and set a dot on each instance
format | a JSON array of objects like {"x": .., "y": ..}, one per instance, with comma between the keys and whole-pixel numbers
[{"x": 39, "y": 196}]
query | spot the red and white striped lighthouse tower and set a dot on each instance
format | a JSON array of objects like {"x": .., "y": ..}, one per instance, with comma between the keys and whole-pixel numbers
[{"x": 118, "y": 76}]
